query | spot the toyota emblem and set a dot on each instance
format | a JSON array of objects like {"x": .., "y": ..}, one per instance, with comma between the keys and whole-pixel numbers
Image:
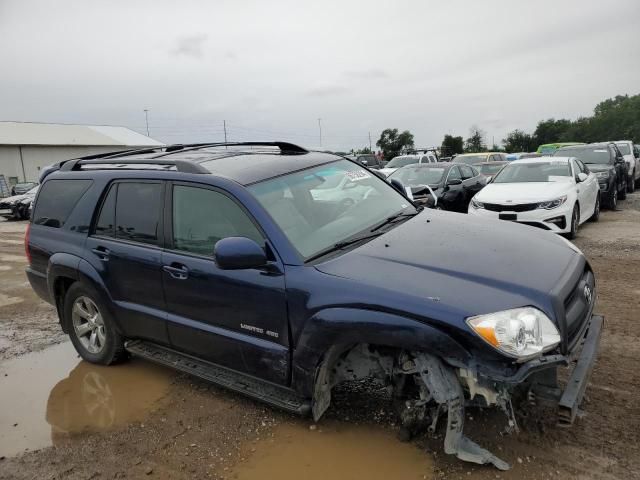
[{"x": 587, "y": 293}]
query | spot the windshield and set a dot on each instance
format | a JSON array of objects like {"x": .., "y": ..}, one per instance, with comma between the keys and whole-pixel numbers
[
  {"x": 533, "y": 172},
  {"x": 315, "y": 218},
  {"x": 586, "y": 155},
  {"x": 401, "y": 162},
  {"x": 470, "y": 159},
  {"x": 624, "y": 148},
  {"x": 490, "y": 168},
  {"x": 33, "y": 191},
  {"x": 413, "y": 176}
]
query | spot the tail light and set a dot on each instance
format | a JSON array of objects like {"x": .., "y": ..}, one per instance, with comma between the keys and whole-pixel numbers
[{"x": 27, "y": 251}]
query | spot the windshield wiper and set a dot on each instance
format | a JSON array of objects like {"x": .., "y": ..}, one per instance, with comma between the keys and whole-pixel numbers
[
  {"x": 393, "y": 218},
  {"x": 343, "y": 244}
]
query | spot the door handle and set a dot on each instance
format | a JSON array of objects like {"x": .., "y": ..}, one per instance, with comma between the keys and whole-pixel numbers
[
  {"x": 179, "y": 272},
  {"x": 102, "y": 253}
]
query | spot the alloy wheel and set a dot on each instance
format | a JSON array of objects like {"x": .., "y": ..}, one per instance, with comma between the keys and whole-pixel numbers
[{"x": 88, "y": 325}]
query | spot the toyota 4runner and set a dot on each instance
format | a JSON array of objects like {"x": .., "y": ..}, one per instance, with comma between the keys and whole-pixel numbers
[{"x": 222, "y": 261}]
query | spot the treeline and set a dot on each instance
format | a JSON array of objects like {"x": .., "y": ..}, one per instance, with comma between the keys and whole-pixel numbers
[{"x": 614, "y": 119}]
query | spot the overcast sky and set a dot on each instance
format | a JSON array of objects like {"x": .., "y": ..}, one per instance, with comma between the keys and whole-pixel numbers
[{"x": 272, "y": 68}]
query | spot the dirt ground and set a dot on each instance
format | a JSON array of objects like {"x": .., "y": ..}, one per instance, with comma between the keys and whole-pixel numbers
[{"x": 174, "y": 426}]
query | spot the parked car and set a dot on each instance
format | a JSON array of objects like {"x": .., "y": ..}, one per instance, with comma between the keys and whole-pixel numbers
[
  {"x": 475, "y": 158},
  {"x": 632, "y": 156},
  {"x": 22, "y": 188},
  {"x": 222, "y": 265},
  {"x": 369, "y": 160},
  {"x": 552, "y": 193},
  {"x": 489, "y": 169},
  {"x": 453, "y": 184},
  {"x": 510, "y": 157},
  {"x": 530, "y": 155},
  {"x": 607, "y": 162},
  {"x": 345, "y": 190},
  {"x": 404, "y": 160},
  {"x": 17, "y": 206},
  {"x": 549, "y": 148}
]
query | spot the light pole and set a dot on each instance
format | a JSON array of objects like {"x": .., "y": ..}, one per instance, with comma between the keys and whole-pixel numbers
[
  {"x": 320, "y": 130},
  {"x": 146, "y": 119}
]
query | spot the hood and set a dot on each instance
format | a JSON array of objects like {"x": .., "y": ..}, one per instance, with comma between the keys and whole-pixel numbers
[
  {"x": 387, "y": 171},
  {"x": 458, "y": 265},
  {"x": 522, "y": 192},
  {"x": 16, "y": 198}
]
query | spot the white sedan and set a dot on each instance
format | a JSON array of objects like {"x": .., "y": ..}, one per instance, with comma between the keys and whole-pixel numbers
[{"x": 553, "y": 193}]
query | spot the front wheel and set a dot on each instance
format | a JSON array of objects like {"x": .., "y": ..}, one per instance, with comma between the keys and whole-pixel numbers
[
  {"x": 596, "y": 210},
  {"x": 575, "y": 219},
  {"x": 631, "y": 183},
  {"x": 90, "y": 327},
  {"x": 623, "y": 192}
]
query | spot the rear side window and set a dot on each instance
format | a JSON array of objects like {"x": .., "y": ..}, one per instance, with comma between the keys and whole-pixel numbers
[
  {"x": 466, "y": 171},
  {"x": 131, "y": 211},
  {"x": 56, "y": 201}
]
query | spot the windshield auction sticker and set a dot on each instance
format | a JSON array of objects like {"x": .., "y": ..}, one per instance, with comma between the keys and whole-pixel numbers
[{"x": 357, "y": 175}]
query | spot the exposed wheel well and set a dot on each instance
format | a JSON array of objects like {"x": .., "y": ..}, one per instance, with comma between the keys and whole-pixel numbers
[{"x": 60, "y": 289}]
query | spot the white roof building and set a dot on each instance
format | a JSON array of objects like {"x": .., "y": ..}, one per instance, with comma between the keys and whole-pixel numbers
[{"x": 25, "y": 148}]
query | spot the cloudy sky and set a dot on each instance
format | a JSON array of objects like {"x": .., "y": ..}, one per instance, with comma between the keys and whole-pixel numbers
[{"x": 272, "y": 68}]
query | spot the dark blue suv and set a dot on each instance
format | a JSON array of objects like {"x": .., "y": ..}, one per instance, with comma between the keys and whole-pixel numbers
[{"x": 280, "y": 272}]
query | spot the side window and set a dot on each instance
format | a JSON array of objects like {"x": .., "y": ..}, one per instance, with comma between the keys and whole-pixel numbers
[
  {"x": 138, "y": 208},
  {"x": 474, "y": 171},
  {"x": 106, "y": 223},
  {"x": 454, "y": 174},
  {"x": 466, "y": 171},
  {"x": 424, "y": 159},
  {"x": 56, "y": 201},
  {"x": 201, "y": 217}
]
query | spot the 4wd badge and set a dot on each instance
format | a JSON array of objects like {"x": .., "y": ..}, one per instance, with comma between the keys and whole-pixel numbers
[{"x": 587, "y": 293}]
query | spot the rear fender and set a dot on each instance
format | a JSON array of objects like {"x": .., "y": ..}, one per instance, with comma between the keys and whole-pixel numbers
[{"x": 332, "y": 331}]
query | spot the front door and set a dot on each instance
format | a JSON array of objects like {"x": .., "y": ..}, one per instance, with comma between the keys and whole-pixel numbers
[
  {"x": 452, "y": 196},
  {"x": 234, "y": 318}
]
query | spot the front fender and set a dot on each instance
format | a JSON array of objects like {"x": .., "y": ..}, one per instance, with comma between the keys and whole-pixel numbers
[{"x": 347, "y": 326}]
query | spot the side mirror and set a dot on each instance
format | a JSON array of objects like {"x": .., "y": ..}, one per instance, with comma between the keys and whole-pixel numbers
[
  {"x": 238, "y": 253},
  {"x": 454, "y": 181},
  {"x": 582, "y": 177}
]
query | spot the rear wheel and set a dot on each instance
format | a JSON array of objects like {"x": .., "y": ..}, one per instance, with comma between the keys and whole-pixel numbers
[
  {"x": 613, "y": 198},
  {"x": 575, "y": 219},
  {"x": 596, "y": 210},
  {"x": 631, "y": 183},
  {"x": 90, "y": 327},
  {"x": 623, "y": 192}
]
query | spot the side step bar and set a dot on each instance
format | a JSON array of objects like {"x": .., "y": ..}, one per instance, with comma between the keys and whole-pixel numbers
[{"x": 270, "y": 393}]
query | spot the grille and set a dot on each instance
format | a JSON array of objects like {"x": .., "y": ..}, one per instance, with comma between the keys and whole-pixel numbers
[
  {"x": 5, "y": 205},
  {"x": 522, "y": 207},
  {"x": 577, "y": 306}
]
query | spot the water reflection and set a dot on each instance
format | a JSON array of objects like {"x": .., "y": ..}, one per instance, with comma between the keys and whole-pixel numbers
[{"x": 48, "y": 396}]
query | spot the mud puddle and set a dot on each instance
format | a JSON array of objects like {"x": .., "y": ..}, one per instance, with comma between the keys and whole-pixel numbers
[
  {"x": 334, "y": 451},
  {"x": 47, "y": 396}
]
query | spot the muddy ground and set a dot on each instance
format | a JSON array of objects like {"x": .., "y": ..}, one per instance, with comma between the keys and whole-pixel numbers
[{"x": 137, "y": 420}]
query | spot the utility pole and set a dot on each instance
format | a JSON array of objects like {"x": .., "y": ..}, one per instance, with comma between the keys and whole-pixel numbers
[
  {"x": 370, "y": 147},
  {"x": 320, "y": 130},
  {"x": 146, "y": 119},
  {"x": 224, "y": 124}
]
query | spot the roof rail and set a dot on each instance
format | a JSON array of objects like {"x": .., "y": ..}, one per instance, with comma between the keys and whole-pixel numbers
[
  {"x": 184, "y": 166},
  {"x": 285, "y": 147}
]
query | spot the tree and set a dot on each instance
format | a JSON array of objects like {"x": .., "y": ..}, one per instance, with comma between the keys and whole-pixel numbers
[
  {"x": 475, "y": 142},
  {"x": 393, "y": 143},
  {"x": 451, "y": 145},
  {"x": 364, "y": 150},
  {"x": 518, "y": 141},
  {"x": 550, "y": 131}
]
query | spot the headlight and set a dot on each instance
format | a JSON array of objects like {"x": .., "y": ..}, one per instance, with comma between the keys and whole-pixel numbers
[
  {"x": 476, "y": 204},
  {"x": 603, "y": 175},
  {"x": 551, "y": 204},
  {"x": 521, "y": 333}
]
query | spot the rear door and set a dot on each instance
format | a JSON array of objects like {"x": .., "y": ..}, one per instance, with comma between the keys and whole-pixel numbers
[
  {"x": 470, "y": 185},
  {"x": 588, "y": 190},
  {"x": 234, "y": 318},
  {"x": 125, "y": 249}
]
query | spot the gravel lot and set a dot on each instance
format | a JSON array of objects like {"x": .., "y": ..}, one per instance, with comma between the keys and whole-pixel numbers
[{"x": 189, "y": 429}]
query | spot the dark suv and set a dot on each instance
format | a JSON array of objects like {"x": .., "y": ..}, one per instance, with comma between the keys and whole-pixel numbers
[
  {"x": 607, "y": 162},
  {"x": 241, "y": 264}
]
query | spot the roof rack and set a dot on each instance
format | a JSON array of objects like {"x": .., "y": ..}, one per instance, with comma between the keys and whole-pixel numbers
[
  {"x": 184, "y": 166},
  {"x": 285, "y": 147}
]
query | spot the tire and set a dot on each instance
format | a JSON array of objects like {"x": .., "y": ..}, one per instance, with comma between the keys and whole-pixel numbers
[
  {"x": 623, "y": 193},
  {"x": 90, "y": 327},
  {"x": 575, "y": 220},
  {"x": 613, "y": 199},
  {"x": 631, "y": 183},
  {"x": 596, "y": 211}
]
